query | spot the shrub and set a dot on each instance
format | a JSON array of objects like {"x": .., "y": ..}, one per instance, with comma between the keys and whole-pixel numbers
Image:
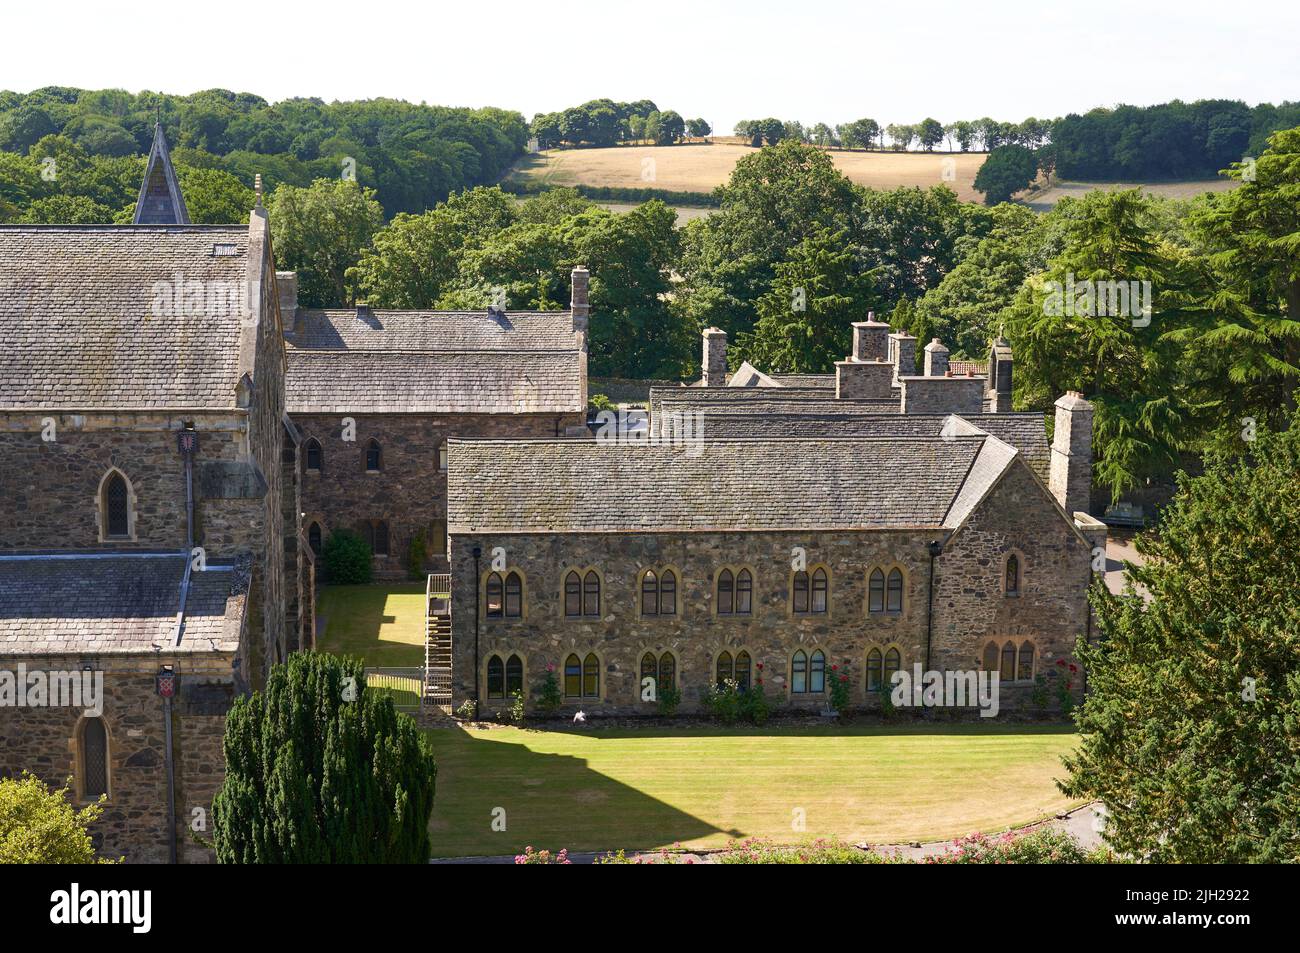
[
  {"x": 753, "y": 706},
  {"x": 669, "y": 699},
  {"x": 40, "y": 826},
  {"x": 839, "y": 687},
  {"x": 516, "y": 712},
  {"x": 1044, "y": 846},
  {"x": 724, "y": 701},
  {"x": 663, "y": 856},
  {"x": 467, "y": 710},
  {"x": 319, "y": 770},
  {"x": 886, "y": 694},
  {"x": 756, "y": 850},
  {"x": 549, "y": 698},
  {"x": 1038, "y": 694},
  {"x": 530, "y": 856},
  {"x": 416, "y": 555},
  {"x": 1063, "y": 685},
  {"x": 347, "y": 558}
]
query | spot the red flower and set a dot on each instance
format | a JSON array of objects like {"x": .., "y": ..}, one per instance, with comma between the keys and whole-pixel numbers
[
  {"x": 760, "y": 666},
  {"x": 1060, "y": 662},
  {"x": 1073, "y": 668},
  {"x": 844, "y": 678},
  {"x": 835, "y": 668}
]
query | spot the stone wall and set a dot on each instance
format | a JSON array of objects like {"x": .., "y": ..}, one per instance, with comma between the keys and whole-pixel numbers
[
  {"x": 410, "y": 491},
  {"x": 44, "y": 741},
  {"x": 943, "y": 395},
  {"x": 1019, "y": 517}
]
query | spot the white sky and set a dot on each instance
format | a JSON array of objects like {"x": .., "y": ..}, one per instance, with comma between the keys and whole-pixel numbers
[{"x": 828, "y": 60}]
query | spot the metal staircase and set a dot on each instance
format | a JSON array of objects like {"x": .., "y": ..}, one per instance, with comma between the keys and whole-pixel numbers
[{"x": 437, "y": 641}]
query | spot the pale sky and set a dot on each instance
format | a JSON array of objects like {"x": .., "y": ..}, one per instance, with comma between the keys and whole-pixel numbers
[{"x": 812, "y": 60}]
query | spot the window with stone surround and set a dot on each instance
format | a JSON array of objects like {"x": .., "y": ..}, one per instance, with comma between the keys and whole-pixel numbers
[
  {"x": 504, "y": 677},
  {"x": 442, "y": 456},
  {"x": 885, "y": 591},
  {"x": 582, "y": 676},
  {"x": 1011, "y": 576},
  {"x": 808, "y": 672},
  {"x": 313, "y": 454},
  {"x": 375, "y": 533},
  {"x": 315, "y": 537},
  {"x": 882, "y": 663},
  {"x": 504, "y": 595},
  {"x": 582, "y": 593},
  {"x": 659, "y": 592},
  {"x": 809, "y": 591},
  {"x": 93, "y": 744},
  {"x": 1012, "y": 662},
  {"x": 735, "y": 592},
  {"x": 738, "y": 668},
  {"x": 662, "y": 668},
  {"x": 116, "y": 507},
  {"x": 374, "y": 456}
]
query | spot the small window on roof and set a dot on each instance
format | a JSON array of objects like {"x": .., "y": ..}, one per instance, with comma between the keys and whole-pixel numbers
[{"x": 223, "y": 250}]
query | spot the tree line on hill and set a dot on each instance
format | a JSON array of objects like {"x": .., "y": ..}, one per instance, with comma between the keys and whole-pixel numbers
[
  {"x": 1168, "y": 141},
  {"x": 603, "y": 122},
  {"x": 412, "y": 155}
]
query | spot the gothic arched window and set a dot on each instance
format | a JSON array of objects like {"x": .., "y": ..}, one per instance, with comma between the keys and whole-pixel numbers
[
  {"x": 116, "y": 507},
  {"x": 313, "y": 454},
  {"x": 1013, "y": 575},
  {"x": 314, "y": 534},
  {"x": 374, "y": 456},
  {"x": 94, "y": 758}
]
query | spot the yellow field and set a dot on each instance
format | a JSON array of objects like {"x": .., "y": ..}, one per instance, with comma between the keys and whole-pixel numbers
[{"x": 699, "y": 167}]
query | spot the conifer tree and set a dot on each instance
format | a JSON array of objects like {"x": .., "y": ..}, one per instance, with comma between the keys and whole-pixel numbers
[{"x": 320, "y": 770}]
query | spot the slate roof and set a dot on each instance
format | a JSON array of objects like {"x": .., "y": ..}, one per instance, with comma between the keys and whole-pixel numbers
[
  {"x": 363, "y": 361},
  {"x": 116, "y": 603},
  {"x": 741, "y": 485},
  {"x": 78, "y": 322},
  {"x": 381, "y": 330},
  {"x": 1025, "y": 432},
  {"x": 822, "y": 381},
  {"x": 466, "y": 382}
]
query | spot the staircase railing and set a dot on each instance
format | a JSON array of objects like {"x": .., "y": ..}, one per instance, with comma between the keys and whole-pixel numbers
[{"x": 437, "y": 641}]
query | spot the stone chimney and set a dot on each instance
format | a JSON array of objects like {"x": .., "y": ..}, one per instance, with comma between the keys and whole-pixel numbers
[
  {"x": 578, "y": 304},
  {"x": 936, "y": 359},
  {"x": 870, "y": 339},
  {"x": 998, "y": 390},
  {"x": 286, "y": 286},
  {"x": 1070, "y": 478},
  {"x": 902, "y": 354},
  {"x": 715, "y": 358},
  {"x": 855, "y": 380}
]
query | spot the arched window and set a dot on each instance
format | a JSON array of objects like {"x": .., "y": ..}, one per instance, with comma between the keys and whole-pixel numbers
[
  {"x": 875, "y": 670},
  {"x": 799, "y": 673},
  {"x": 381, "y": 538},
  {"x": 495, "y": 600},
  {"x": 591, "y": 594},
  {"x": 649, "y": 593},
  {"x": 591, "y": 676},
  {"x": 668, "y": 593},
  {"x": 514, "y": 675},
  {"x": 991, "y": 657},
  {"x": 573, "y": 677},
  {"x": 442, "y": 456},
  {"x": 1025, "y": 667},
  {"x": 374, "y": 456},
  {"x": 894, "y": 592},
  {"x": 817, "y": 672},
  {"x": 744, "y": 672},
  {"x": 1013, "y": 575},
  {"x": 116, "y": 507},
  {"x": 572, "y": 595},
  {"x": 1008, "y": 673},
  {"x": 662, "y": 669},
  {"x": 94, "y": 758},
  {"x": 496, "y": 677},
  {"x": 893, "y": 662},
  {"x": 819, "y": 591},
  {"x": 314, "y": 537},
  {"x": 726, "y": 667},
  {"x": 438, "y": 539},
  {"x": 514, "y": 607},
  {"x": 368, "y": 534},
  {"x": 726, "y": 593},
  {"x": 744, "y": 592},
  {"x": 876, "y": 591},
  {"x": 313, "y": 454},
  {"x": 800, "y": 592}
]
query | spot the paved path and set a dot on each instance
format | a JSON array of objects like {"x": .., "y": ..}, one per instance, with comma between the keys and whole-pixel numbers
[{"x": 1079, "y": 823}]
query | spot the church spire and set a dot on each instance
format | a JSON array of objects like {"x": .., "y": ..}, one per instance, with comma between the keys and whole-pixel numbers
[{"x": 160, "y": 201}]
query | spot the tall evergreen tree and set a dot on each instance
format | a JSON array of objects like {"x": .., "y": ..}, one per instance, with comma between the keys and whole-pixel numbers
[
  {"x": 1191, "y": 729},
  {"x": 320, "y": 770}
]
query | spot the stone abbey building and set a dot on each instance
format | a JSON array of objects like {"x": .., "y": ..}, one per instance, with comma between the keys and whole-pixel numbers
[{"x": 178, "y": 438}]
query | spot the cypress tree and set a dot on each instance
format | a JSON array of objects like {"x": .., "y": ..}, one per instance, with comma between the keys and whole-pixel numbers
[{"x": 318, "y": 773}]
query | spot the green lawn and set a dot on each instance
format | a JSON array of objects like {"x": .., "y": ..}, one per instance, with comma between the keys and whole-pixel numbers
[
  {"x": 646, "y": 788},
  {"x": 382, "y": 623}
]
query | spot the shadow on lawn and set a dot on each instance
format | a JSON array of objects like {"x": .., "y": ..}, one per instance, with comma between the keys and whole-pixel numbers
[
  {"x": 547, "y": 801},
  {"x": 353, "y": 620}
]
